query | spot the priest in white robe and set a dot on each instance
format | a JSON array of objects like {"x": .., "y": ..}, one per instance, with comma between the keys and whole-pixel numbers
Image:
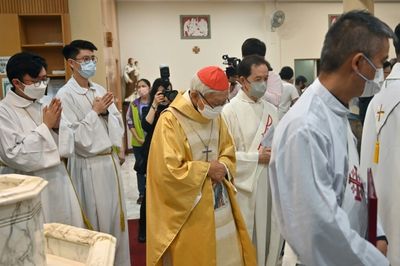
[
  {"x": 91, "y": 126},
  {"x": 251, "y": 119},
  {"x": 315, "y": 180},
  {"x": 28, "y": 143},
  {"x": 380, "y": 151},
  {"x": 254, "y": 46}
]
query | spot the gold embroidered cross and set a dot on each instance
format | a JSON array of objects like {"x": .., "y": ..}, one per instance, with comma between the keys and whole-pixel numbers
[{"x": 379, "y": 113}]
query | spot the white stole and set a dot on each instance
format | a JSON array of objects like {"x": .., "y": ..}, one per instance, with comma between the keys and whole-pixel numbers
[
  {"x": 246, "y": 171},
  {"x": 227, "y": 241}
]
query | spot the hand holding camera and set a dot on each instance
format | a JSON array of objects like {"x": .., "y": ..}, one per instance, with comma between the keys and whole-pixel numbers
[
  {"x": 158, "y": 99},
  {"x": 168, "y": 92}
]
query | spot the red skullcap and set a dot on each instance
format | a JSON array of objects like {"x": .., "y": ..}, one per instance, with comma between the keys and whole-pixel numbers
[{"x": 214, "y": 78}]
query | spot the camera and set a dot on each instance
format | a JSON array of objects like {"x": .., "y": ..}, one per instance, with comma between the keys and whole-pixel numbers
[
  {"x": 168, "y": 92},
  {"x": 232, "y": 65}
]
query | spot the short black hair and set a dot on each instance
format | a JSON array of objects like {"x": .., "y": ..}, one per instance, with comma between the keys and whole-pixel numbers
[
  {"x": 244, "y": 68},
  {"x": 354, "y": 32},
  {"x": 286, "y": 73},
  {"x": 253, "y": 46},
  {"x": 72, "y": 50},
  {"x": 396, "y": 39},
  {"x": 301, "y": 79},
  {"x": 387, "y": 64},
  {"x": 24, "y": 63}
]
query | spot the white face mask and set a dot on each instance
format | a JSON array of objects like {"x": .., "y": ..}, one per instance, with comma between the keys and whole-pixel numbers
[
  {"x": 143, "y": 91},
  {"x": 373, "y": 86},
  {"x": 209, "y": 112},
  {"x": 35, "y": 92}
]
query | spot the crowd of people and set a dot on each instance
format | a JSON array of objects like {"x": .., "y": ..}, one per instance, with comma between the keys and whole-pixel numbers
[{"x": 250, "y": 170}]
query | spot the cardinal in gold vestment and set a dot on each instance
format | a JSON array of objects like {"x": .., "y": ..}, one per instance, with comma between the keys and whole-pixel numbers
[{"x": 192, "y": 214}]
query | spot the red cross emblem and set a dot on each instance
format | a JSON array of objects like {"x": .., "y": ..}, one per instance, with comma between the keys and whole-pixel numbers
[{"x": 356, "y": 184}]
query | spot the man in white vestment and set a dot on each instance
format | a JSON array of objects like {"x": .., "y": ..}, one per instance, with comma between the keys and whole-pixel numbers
[
  {"x": 318, "y": 193},
  {"x": 253, "y": 46},
  {"x": 380, "y": 151},
  {"x": 28, "y": 142},
  {"x": 250, "y": 119},
  {"x": 91, "y": 129}
]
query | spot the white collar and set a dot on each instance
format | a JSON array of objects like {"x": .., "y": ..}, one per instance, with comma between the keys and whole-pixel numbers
[
  {"x": 395, "y": 73},
  {"x": 78, "y": 89},
  {"x": 245, "y": 98},
  {"x": 16, "y": 100}
]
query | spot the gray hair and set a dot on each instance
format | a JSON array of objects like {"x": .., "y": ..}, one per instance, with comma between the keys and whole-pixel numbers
[{"x": 197, "y": 85}]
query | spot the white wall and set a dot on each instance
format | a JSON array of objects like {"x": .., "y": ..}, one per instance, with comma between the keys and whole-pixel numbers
[
  {"x": 85, "y": 26},
  {"x": 149, "y": 32}
]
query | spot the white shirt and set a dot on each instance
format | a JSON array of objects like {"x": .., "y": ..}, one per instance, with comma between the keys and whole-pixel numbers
[
  {"x": 274, "y": 89},
  {"x": 28, "y": 146},
  {"x": 289, "y": 94},
  {"x": 382, "y": 122},
  {"x": 308, "y": 171},
  {"x": 80, "y": 123}
]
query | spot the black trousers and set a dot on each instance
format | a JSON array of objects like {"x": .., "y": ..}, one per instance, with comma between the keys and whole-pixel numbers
[{"x": 142, "y": 219}]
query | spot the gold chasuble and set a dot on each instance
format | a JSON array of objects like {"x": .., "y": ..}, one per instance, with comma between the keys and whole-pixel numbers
[{"x": 190, "y": 221}]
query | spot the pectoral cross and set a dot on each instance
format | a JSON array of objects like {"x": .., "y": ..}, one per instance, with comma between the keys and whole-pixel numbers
[
  {"x": 379, "y": 113},
  {"x": 357, "y": 185},
  {"x": 207, "y": 151}
]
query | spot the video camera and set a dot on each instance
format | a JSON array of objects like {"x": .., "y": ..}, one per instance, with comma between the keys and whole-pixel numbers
[
  {"x": 233, "y": 63},
  {"x": 168, "y": 92}
]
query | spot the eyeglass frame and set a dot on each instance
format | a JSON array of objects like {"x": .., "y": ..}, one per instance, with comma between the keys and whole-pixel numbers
[
  {"x": 86, "y": 59},
  {"x": 202, "y": 96},
  {"x": 36, "y": 84}
]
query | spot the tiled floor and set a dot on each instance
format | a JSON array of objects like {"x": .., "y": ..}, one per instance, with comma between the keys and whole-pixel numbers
[{"x": 130, "y": 187}]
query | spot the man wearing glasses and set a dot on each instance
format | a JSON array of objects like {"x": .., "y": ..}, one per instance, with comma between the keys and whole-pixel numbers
[
  {"x": 28, "y": 140},
  {"x": 250, "y": 120},
  {"x": 90, "y": 129},
  {"x": 193, "y": 215}
]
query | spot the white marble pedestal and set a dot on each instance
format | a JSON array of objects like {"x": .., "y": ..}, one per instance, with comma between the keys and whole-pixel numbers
[
  {"x": 25, "y": 241},
  {"x": 68, "y": 245},
  {"x": 21, "y": 220}
]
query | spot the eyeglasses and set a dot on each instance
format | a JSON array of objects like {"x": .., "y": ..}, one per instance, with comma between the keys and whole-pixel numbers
[
  {"x": 87, "y": 59},
  {"x": 37, "y": 83},
  {"x": 212, "y": 106}
]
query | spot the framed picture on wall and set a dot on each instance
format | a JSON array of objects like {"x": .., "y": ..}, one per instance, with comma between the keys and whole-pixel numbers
[
  {"x": 332, "y": 19},
  {"x": 195, "y": 26}
]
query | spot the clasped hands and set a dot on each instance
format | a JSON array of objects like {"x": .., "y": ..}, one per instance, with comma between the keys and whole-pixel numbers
[{"x": 100, "y": 104}]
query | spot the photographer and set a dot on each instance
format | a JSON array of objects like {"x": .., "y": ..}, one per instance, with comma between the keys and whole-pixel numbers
[
  {"x": 161, "y": 96},
  {"x": 231, "y": 73}
]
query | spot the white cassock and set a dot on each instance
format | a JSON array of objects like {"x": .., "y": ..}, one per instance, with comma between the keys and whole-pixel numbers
[
  {"x": 248, "y": 122},
  {"x": 313, "y": 158},
  {"x": 87, "y": 140},
  {"x": 382, "y": 125},
  {"x": 27, "y": 146}
]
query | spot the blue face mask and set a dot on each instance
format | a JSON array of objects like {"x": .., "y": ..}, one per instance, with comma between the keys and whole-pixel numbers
[{"x": 88, "y": 69}]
